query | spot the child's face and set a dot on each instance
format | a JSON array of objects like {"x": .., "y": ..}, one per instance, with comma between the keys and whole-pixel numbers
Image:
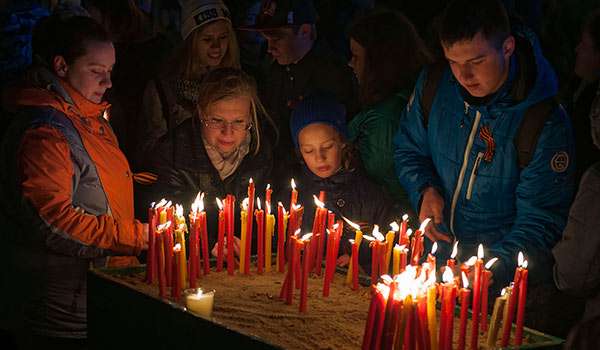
[{"x": 321, "y": 148}]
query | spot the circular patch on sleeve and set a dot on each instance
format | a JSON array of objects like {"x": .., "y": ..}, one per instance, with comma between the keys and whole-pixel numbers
[{"x": 559, "y": 162}]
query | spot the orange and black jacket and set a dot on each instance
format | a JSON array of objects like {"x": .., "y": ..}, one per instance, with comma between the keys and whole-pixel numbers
[{"x": 72, "y": 203}]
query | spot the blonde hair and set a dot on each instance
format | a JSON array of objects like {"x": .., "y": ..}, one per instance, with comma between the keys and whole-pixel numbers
[
  {"x": 189, "y": 65},
  {"x": 225, "y": 83}
]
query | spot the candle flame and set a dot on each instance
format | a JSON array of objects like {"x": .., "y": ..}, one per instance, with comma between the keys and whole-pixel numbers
[
  {"x": 386, "y": 279},
  {"x": 480, "y": 251},
  {"x": 434, "y": 248},
  {"x": 395, "y": 227},
  {"x": 351, "y": 241},
  {"x": 403, "y": 247},
  {"x": 383, "y": 289},
  {"x": 163, "y": 227},
  {"x": 105, "y": 115},
  {"x": 318, "y": 203},
  {"x": 491, "y": 262},
  {"x": 306, "y": 237},
  {"x": 335, "y": 226},
  {"x": 296, "y": 206},
  {"x": 471, "y": 261},
  {"x": 503, "y": 291},
  {"x": 177, "y": 248},
  {"x": 168, "y": 205},
  {"x": 377, "y": 234},
  {"x": 354, "y": 226},
  {"x": 245, "y": 203},
  {"x": 397, "y": 247},
  {"x": 161, "y": 203},
  {"x": 454, "y": 250},
  {"x": 424, "y": 225},
  {"x": 268, "y": 187},
  {"x": 465, "y": 279},
  {"x": 258, "y": 203},
  {"x": 250, "y": 181},
  {"x": 525, "y": 264},
  {"x": 409, "y": 232},
  {"x": 405, "y": 217},
  {"x": 448, "y": 275},
  {"x": 219, "y": 203},
  {"x": 297, "y": 233},
  {"x": 198, "y": 203},
  {"x": 521, "y": 258},
  {"x": 293, "y": 184},
  {"x": 368, "y": 238},
  {"x": 178, "y": 210}
]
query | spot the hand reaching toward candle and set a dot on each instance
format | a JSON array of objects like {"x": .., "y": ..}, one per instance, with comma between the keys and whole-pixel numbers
[
  {"x": 343, "y": 260},
  {"x": 432, "y": 206},
  {"x": 236, "y": 247}
]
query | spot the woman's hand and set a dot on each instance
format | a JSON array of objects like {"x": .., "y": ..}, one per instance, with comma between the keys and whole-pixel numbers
[{"x": 236, "y": 247}]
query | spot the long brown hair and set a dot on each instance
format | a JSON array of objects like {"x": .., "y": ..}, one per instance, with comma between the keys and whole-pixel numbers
[
  {"x": 223, "y": 83},
  {"x": 394, "y": 54}
]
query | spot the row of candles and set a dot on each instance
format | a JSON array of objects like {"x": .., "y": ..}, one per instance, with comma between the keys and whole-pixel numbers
[{"x": 402, "y": 313}]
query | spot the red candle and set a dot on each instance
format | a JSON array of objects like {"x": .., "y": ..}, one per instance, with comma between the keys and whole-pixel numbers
[
  {"x": 151, "y": 259},
  {"x": 168, "y": 245},
  {"x": 319, "y": 232},
  {"x": 280, "y": 236},
  {"x": 464, "y": 294},
  {"x": 330, "y": 219},
  {"x": 512, "y": 301},
  {"x": 297, "y": 263},
  {"x": 476, "y": 298},
  {"x": 220, "y": 237},
  {"x": 329, "y": 260},
  {"x": 260, "y": 224},
  {"x": 431, "y": 258},
  {"x": 294, "y": 195},
  {"x": 422, "y": 321},
  {"x": 305, "y": 269},
  {"x": 354, "y": 258},
  {"x": 249, "y": 227},
  {"x": 404, "y": 240},
  {"x": 521, "y": 306},
  {"x": 485, "y": 286},
  {"x": 417, "y": 243},
  {"x": 393, "y": 311},
  {"x": 403, "y": 259},
  {"x": 229, "y": 228},
  {"x": 176, "y": 283},
  {"x": 376, "y": 307},
  {"x": 374, "y": 261},
  {"x": 290, "y": 274},
  {"x": 410, "y": 328}
]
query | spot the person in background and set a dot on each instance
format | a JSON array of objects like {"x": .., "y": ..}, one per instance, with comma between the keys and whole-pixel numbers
[
  {"x": 302, "y": 64},
  {"x": 140, "y": 51},
  {"x": 386, "y": 76},
  {"x": 209, "y": 42},
  {"x": 319, "y": 132},
  {"x": 217, "y": 151},
  {"x": 585, "y": 100},
  {"x": 67, "y": 187}
]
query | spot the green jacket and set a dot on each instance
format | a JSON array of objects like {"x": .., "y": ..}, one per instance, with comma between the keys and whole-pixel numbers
[{"x": 372, "y": 131}]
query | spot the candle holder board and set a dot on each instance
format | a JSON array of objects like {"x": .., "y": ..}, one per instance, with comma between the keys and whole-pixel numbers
[{"x": 120, "y": 314}]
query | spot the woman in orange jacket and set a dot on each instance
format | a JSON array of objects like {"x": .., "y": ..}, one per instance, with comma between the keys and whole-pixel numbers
[{"x": 71, "y": 206}]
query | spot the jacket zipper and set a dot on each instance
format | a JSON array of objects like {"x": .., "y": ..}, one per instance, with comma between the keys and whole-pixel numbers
[
  {"x": 463, "y": 169},
  {"x": 474, "y": 175}
]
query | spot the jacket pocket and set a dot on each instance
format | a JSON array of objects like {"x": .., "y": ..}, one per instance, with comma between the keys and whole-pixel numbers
[{"x": 474, "y": 174}]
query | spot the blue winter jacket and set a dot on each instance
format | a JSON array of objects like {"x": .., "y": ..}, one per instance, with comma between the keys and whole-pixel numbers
[{"x": 495, "y": 202}]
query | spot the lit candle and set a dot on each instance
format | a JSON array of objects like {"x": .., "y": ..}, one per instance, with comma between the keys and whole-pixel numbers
[
  {"x": 221, "y": 238},
  {"x": 376, "y": 310},
  {"x": 393, "y": 311},
  {"x": 162, "y": 275},
  {"x": 307, "y": 257},
  {"x": 431, "y": 258},
  {"x": 452, "y": 261},
  {"x": 268, "y": 192},
  {"x": 425, "y": 339},
  {"x": 389, "y": 240},
  {"x": 176, "y": 283},
  {"x": 512, "y": 303},
  {"x": 496, "y": 319},
  {"x": 151, "y": 259},
  {"x": 244, "y": 225},
  {"x": 485, "y": 286},
  {"x": 404, "y": 240},
  {"x": 282, "y": 219},
  {"x": 330, "y": 258},
  {"x": 417, "y": 243},
  {"x": 229, "y": 228},
  {"x": 203, "y": 237},
  {"x": 294, "y": 194},
  {"x": 396, "y": 262},
  {"x": 357, "y": 239},
  {"x": 270, "y": 228},
  {"x": 194, "y": 255},
  {"x": 180, "y": 238},
  {"x": 448, "y": 304},
  {"x": 318, "y": 231},
  {"x": 464, "y": 294},
  {"x": 248, "y": 242},
  {"x": 432, "y": 314},
  {"x": 168, "y": 243},
  {"x": 260, "y": 225},
  {"x": 476, "y": 298},
  {"x": 375, "y": 253},
  {"x": 522, "y": 301},
  {"x": 200, "y": 302},
  {"x": 354, "y": 259}
]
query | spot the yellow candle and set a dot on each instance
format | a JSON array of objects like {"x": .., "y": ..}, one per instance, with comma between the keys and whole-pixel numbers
[
  {"x": 270, "y": 222},
  {"x": 243, "y": 218},
  {"x": 180, "y": 237},
  {"x": 162, "y": 219},
  {"x": 357, "y": 239},
  {"x": 200, "y": 302},
  {"x": 389, "y": 240},
  {"x": 396, "y": 263},
  {"x": 432, "y": 316},
  {"x": 496, "y": 318}
]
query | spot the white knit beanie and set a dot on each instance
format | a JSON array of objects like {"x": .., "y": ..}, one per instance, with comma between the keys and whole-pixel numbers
[{"x": 196, "y": 13}]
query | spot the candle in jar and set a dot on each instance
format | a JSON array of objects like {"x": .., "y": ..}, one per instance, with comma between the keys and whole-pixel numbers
[{"x": 200, "y": 302}]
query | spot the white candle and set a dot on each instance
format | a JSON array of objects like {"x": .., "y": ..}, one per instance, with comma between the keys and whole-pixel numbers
[{"x": 200, "y": 302}]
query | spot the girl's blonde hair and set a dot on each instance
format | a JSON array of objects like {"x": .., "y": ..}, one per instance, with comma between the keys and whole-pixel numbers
[
  {"x": 188, "y": 63},
  {"x": 224, "y": 83}
]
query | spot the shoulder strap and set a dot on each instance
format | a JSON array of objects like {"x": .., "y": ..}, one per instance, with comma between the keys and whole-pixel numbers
[
  {"x": 530, "y": 129},
  {"x": 432, "y": 81}
]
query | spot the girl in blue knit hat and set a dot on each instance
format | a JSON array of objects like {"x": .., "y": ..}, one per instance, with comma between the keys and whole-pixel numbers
[{"x": 318, "y": 128}]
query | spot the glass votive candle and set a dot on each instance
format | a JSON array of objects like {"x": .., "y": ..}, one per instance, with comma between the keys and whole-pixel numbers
[{"x": 199, "y": 302}]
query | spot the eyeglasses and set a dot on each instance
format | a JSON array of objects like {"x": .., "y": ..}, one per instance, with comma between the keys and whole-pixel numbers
[{"x": 220, "y": 124}]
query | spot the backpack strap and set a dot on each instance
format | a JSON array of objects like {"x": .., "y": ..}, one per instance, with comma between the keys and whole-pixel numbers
[
  {"x": 530, "y": 129},
  {"x": 432, "y": 81}
]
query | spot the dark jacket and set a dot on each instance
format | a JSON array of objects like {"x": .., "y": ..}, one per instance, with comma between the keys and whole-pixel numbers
[
  {"x": 319, "y": 70},
  {"x": 349, "y": 193},
  {"x": 183, "y": 168}
]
